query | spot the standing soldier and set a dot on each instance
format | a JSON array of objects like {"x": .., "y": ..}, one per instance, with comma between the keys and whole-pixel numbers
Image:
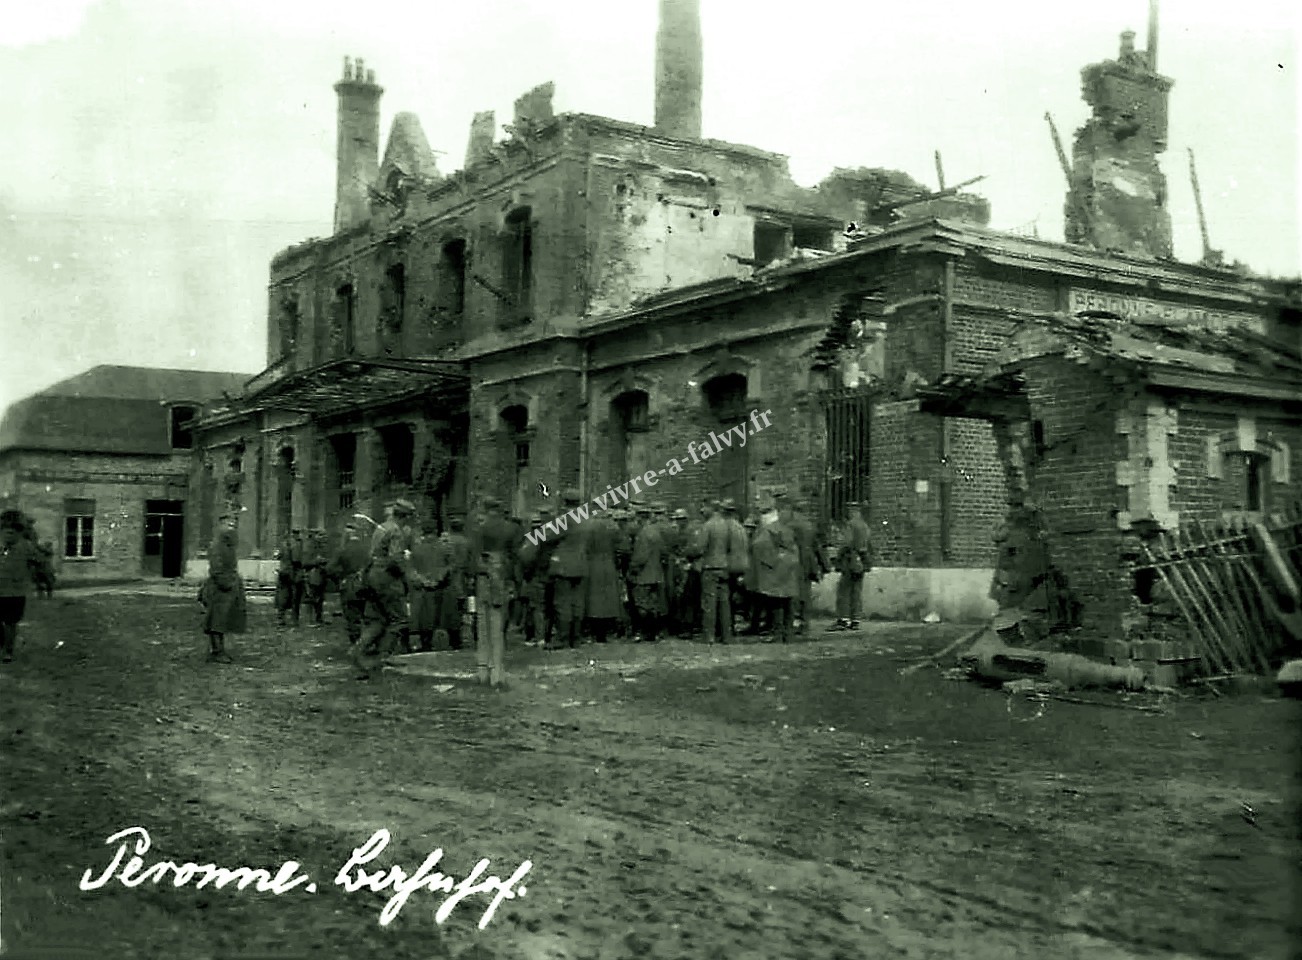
[
  {"x": 534, "y": 558},
  {"x": 624, "y": 520},
  {"x": 604, "y": 593},
  {"x": 385, "y": 616},
  {"x": 45, "y": 576},
  {"x": 777, "y": 570},
  {"x": 672, "y": 533},
  {"x": 647, "y": 575},
  {"x": 738, "y": 553},
  {"x": 853, "y": 560},
  {"x": 347, "y": 570},
  {"x": 568, "y": 569},
  {"x": 289, "y": 578},
  {"x": 453, "y": 614},
  {"x": 690, "y": 608},
  {"x": 716, "y": 604},
  {"x": 314, "y": 576},
  {"x": 19, "y": 569},
  {"x": 497, "y": 581},
  {"x": 222, "y": 594},
  {"x": 812, "y": 564},
  {"x": 426, "y": 575},
  {"x": 749, "y": 606}
]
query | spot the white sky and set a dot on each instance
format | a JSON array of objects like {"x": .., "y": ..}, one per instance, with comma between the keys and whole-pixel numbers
[{"x": 158, "y": 152}]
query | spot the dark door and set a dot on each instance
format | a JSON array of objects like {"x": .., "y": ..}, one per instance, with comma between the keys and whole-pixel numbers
[{"x": 164, "y": 533}]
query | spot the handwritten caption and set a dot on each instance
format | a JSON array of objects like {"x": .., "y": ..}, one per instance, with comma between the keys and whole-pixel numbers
[{"x": 351, "y": 876}]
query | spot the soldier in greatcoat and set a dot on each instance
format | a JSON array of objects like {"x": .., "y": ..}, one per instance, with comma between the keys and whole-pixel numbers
[
  {"x": 750, "y": 609},
  {"x": 776, "y": 569},
  {"x": 222, "y": 594},
  {"x": 647, "y": 570},
  {"x": 738, "y": 554},
  {"x": 534, "y": 559},
  {"x": 853, "y": 560},
  {"x": 346, "y": 570},
  {"x": 452, "y": 598},
  {"x": 567, "y": 571},
  {"x": 604, "y": 593},
  {"x": 314, "y": 575},
  {"x": 689, "y": 615},
  {"x": 384, "y": 622},
  {"x": 813, "y": 564},
  {"x": 20, "y": 566},
  {"x": 427, "y": 573},
  {"x": 495, "y": 548},
  {"x": 713, "y": 547},
  {"x": 289, "y": 578}
]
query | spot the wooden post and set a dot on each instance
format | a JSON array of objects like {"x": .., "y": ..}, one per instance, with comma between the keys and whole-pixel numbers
[{"x": 1207, "y": 649}]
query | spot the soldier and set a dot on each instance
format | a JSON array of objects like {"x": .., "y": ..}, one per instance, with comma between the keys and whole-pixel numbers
[
  {"x": 812, "y": 562},
  {"x": 426, "y": 575},
  {"x": 385, "y": 616},
  {"x": 853, "y": 560},
  {"x": 222, "y": 594},
  {"x": 604, "y": 590},
  {"x": 690, "y": 608},
  {"x": 289, "y": 578},
  {"x": 45, "y": 576},
  {"x": 738, "y": 551},
  {"x": 453, "y": 615},
  {"x": 712, "y": 546},
  {"x": 776, "y": 569},
  {"x": 747, "y": 603},
  {"x": 624, "y": 519},
  {"x": 314, "y": 576},
  {"x": 567, "y": 571},
  {"x": 534, "y": 558},
  {"x": 19, "y": 569},
  {"x": 346, "y": 570},
  {"x": 497, "y": 580},
  {"x": 647, "y": 571}
]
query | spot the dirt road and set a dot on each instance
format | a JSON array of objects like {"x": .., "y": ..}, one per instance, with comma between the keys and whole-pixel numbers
[{"x": 675, "y": 802}]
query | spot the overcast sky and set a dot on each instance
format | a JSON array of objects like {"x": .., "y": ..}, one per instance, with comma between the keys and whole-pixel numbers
[{"x": 158, "y": 152}]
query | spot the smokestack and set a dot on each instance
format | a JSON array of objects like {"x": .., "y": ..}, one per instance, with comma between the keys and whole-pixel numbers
[
  {"x": 1152, "y": 35},
  {"x": 679, "y": 69},
  {"x": 357, "y": 148}
]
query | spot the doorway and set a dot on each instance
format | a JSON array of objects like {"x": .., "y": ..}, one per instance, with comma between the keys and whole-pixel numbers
[{"x": 164, "y": 543}]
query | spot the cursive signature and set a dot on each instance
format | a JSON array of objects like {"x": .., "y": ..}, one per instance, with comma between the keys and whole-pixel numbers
[
  {"x": 426, "y": 876},
  {"x": 351, "y": 876}
]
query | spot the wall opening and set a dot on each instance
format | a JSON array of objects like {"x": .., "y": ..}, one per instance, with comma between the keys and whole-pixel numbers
[
  {"x": 182, "y": 432},
  {"x": 164, "y": 543},
  {"x": 848, "y": 417},
  {"x": 284, "y": 491},
  {"x": 1144, "y": 582},
  {"x": 344, "y": 448},
  {"x": 630, "y": 419},
  {"x": 770, "y": 242},
  {"x": 345, "y": 313},
  {"x": 399, "y": 452},
  {"x": 394, "y": 310},
  {"x": 517, "y": 266},
  {"x": 453, "y": 268},
  {"x": 810, "y": 236},
  {"x": 517, "y": 451},
  {"x": 726, "y": 399},
  {"x": 79, "y": 528}
]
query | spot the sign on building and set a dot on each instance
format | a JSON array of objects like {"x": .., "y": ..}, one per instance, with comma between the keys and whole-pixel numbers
[{"x": 1143, "y": 308}]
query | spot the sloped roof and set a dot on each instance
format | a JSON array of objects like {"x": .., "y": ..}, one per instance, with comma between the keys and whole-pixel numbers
[
  {"x": 408, "y": 149},
  {"x": 111, "y": 409}
]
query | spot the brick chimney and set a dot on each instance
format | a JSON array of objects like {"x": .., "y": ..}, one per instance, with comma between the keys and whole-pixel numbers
[
  {"x": 1118, "y": 194},
  {"x": 357, "y": 149},
  {"x": 679, "y": 69}
]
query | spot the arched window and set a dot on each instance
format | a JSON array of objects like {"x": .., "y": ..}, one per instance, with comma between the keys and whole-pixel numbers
[
  {"x": 630, "y": 421},
  {"x": 517, "y": 264}
]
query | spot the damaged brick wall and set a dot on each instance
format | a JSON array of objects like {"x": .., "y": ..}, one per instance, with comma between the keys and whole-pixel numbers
[{"x": 1118, "y": 195}]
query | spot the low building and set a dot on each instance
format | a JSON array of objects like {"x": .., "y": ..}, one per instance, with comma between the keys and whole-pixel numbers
[{"x": 101, "y": 462}]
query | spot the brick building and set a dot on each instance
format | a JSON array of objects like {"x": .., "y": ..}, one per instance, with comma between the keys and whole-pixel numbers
[
  {"x": 101, "y": 462},
  {"x": 588, "y": 296}
]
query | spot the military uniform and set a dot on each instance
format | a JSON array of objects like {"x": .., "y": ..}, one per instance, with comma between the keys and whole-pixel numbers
[
  {"x": 497, "y": 581},
  {"x": 812, "y": 563},
  {"x": 222, "y": 595},
  {"x": 714, "y": 546},
  {"x": 19, "y": 569},
  {"x": 647, "y": 571},
  {"x": 384, "y": 620},
  {"x": 427, "y": 573},
  {"x": 534, "y": 558},
  {"x": 567, "y": 570},
  {"x": 347, "y": 571},
  {"x": 289, "y": 578},
  {"x": 314, "y": 576},
  {"x": 853, "y": 560},
  {"x": 776, "y": 571},
  {"x": 451, "y": 598}
]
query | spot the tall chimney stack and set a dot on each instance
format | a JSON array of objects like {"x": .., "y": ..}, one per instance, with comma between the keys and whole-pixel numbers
[
  {"x": 357, "y": 148},
  {"x": 679, "y": 69},
  {"x": 1152, "y": 35}
]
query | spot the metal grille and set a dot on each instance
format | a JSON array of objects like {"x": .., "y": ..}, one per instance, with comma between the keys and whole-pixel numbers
[{"x": 848, "y": 414}]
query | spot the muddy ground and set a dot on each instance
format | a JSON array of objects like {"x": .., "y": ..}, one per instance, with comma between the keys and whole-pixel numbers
[{"x": 675, "y": 802}]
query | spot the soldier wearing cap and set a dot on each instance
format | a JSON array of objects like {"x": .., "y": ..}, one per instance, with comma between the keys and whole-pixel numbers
[
  {"x": 289, "y": 577},
  {"x": 495, "y": 547},
  {"x": 534, "y": 560},
  {"x": 428, "y": 571},
  {"x": 738, "y": 553},
  {"x": 813, "y": 564},
  {"x": 567, "y": 571},
  {"x": 385, "y": 616},
  {"x": 222, "y": 594},
  {"x": 853, "y": 560},
  {"x": 713, "y": 547},
  {"x": 604, "y": 589},
  {"x": 747, "y": 604},
  {"x": 346, "y": 571},
  {"x": 777, "y": 574},
  {"x": 647, "y": 579},
  {"x": 314, "y": 575},
  {"x": 451, "y": 598}
]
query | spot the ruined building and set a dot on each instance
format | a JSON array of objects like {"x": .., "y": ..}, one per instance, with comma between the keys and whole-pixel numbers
[{"x": 587, "y": 296}]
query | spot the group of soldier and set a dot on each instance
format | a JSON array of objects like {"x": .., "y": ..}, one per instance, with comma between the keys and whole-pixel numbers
[{"x": 639, "y": 573}]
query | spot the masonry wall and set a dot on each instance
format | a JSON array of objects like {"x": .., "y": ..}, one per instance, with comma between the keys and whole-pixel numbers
[{"x": 119, "y": 485}]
